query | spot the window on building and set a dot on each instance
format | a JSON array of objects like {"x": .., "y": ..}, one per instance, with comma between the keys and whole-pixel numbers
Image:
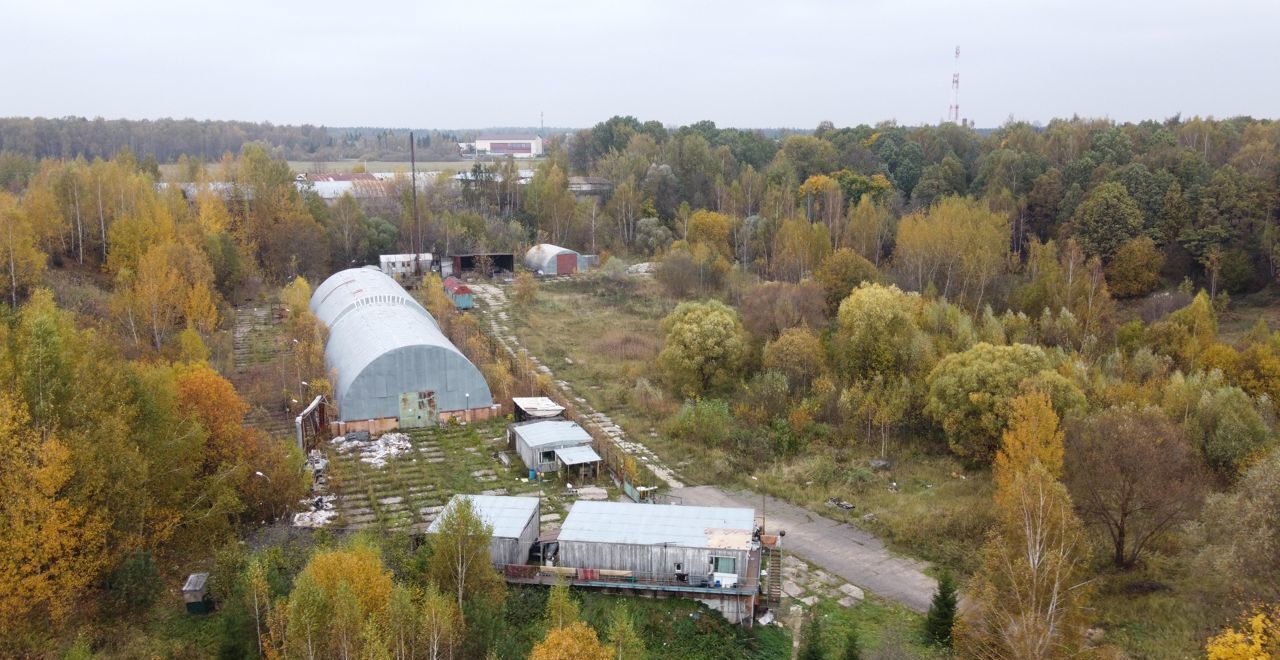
[
  {"x": 724, "y": 565},
  {"x": 548, "y": 457}
]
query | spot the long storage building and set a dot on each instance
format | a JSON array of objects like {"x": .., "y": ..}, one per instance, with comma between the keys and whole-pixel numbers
[
  {"x": 699, "y": 546},
  {"x": 390, "y": 363}
]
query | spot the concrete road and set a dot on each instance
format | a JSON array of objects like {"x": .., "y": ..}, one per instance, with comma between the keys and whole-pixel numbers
[{"x": 840, "y": 548}]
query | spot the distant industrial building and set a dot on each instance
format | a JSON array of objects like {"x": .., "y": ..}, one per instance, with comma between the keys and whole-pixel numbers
[
  {"x": 547, "y": 446},
  {"x": 519, "y": 146},
  {"x": 406, "y": 267},
  {"x": 514, "y": 521},
  {"x": 590, "y": 186},
  {"x": 548, "y": 259},
  {"x": 392, "y": 366}
]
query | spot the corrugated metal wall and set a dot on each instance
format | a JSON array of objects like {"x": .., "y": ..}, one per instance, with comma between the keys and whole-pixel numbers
[{"x": 647, "y": 559}]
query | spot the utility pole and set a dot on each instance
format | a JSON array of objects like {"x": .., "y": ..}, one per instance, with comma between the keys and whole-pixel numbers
[
  {"x": 413, "y": 186},
  {"x": 953, "y": 113}
]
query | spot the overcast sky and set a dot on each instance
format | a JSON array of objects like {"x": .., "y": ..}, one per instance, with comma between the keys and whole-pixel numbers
[{"x": 747, "y": 63}]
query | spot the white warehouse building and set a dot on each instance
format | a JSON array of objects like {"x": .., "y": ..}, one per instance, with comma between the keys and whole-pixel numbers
[{"x": 518, "y": 146}]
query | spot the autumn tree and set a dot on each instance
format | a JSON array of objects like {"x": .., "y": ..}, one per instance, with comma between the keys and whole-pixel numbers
[
  {"x": 869, "y": 230},
  {"x": 54, "y": 546},
  {"x": 525, "y": 289},
  {"x": 1237, "y": 536},
  {"x": 1135, "y": 269},
  {"x": 623, "y": 639},
  {"x": 440, "y": 624},
  {"x": 770, "y": 308},
  {"x": 970, "y": 394},
  {"x": 1106, "y": 219},
  {"x": 562, "y": 609},
  {"x": 840, "y": 273},
  {"x": 798, "y": 354},
  {"x": 875, "y": 329},
  {"x": 704, "y": 348},
  {"x": 1027, "y": 598},
  {"x": 1256, "y": 638},
  {"x": 959, "y": 246},
  {"x": 23, "y": 260},
  {"x": 1132, "y": 472},
  {"x": 576, "y": 641},
  {"x": 460, "y": 563},
  {"x": 1032, "y": 436}
]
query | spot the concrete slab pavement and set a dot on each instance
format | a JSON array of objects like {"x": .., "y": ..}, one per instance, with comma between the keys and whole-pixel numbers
[{"x": 854, "y": 554}]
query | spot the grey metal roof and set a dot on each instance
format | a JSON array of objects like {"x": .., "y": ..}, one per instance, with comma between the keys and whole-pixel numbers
[
  {"x": 659, "y": 524},
  {"x": 382, "y": 343},
  {"x": 507, "y": 514},
  {"x": 577, "y": 455},
  {"x": 537, "y": 406},
  {"x": 542, "y": 256},
  {"x": 539, "y": 434}
]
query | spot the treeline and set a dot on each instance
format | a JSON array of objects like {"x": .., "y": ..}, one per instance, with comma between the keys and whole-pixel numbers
[{"x": 165, "y": 140}]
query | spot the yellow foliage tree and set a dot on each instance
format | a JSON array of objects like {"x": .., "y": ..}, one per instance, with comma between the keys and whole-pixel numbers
[
  {"x": 53, "y": 547},
  {"x": 1032, "y": 436},
  {"x": 1257, "y": 638},
  {"x": 525, "y": 289},
  {"x": 360, "y": 568},
  {"x": 576, "y": 641},
  {"x": 20, "y": 251},
  {"x": 1027, "y": 598}
]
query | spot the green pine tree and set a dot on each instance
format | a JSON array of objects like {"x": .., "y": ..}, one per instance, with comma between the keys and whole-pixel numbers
[{"x": 942, "y": 612}]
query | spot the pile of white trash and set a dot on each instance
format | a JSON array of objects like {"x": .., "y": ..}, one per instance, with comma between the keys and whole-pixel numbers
[{"x": 374, "y": 452}]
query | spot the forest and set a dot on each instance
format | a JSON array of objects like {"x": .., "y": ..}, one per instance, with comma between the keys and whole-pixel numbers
[{"x": 1080, "y": 317}]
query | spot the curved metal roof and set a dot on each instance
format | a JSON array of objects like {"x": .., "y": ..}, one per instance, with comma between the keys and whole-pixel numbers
[
  {"x": 538, "y": 256},
  {"x": 348, "y": 289},
  {"x": 370, "y": 317}
]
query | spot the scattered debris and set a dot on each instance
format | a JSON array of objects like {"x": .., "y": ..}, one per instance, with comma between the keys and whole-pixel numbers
[
  {"x": 881, "y": 464},
  {"x": 766, "y": 618},
  {"x": 839, "y": 503},
  {"x": 373, "y": 452},
  {"x": 322, "y": 512},
  {"x": 869, "y": 518}
]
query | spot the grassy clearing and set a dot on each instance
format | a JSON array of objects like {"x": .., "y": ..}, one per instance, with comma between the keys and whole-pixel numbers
[
  {"x": 938, "y": 512},
  {"x": 410, "y": 489}
]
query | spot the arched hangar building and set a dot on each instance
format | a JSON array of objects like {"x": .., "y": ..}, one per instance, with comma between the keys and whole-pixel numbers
[{"x": 392, "y": 366}]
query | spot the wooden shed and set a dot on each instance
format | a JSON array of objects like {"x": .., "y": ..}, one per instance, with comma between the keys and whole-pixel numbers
[
  {"x": 195, "y": 594},
  {"x": 514, "y": 521}
]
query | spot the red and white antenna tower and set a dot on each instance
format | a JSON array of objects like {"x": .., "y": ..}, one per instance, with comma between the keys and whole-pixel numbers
[{"x": 953, "y": 113}]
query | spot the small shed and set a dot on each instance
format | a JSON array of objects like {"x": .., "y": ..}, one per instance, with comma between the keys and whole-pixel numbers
[
  {"x": 514, "y": 521},
  {"x": 548, "y": 259},
  {"x": 195, "y": 594},
  {"x": 535, "y": 407},
  {"x": 459, "y": 293},
  {"x": 538, "y": 441},
  {"x": 701, "y": 546}
]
